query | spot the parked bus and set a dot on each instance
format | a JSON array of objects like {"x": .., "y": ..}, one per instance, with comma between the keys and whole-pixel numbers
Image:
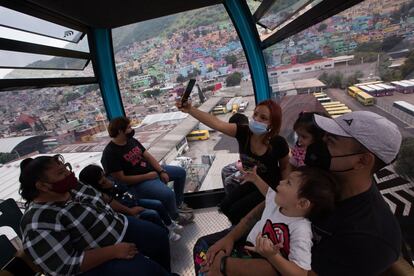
[
  {"x": 319, "y": 95},
  {"x": 336, "y": 108},
  {"x": 197, "y": 135},
  {"x": 334, "y": 105},
  {"x": 404, "y": 106},
  {"x": 365, "y": 98},
  {"x": 352, "y": 91},
  {"x": 339, "y": 112},
  {"x": 330, "y": 103},
  {"x": 389, "y": 89},
  {"x": 324, "y": 100},
  {"x": 220, "y": 109},
  {"x": 403, "y": 87}
]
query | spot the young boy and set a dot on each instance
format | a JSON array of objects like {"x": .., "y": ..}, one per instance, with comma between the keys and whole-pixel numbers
[
  {"x": 154, "y": 210},
  {"x": 283, "y": 235}
]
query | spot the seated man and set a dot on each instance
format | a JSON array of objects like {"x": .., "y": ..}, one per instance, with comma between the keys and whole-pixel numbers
[
  {"x": 126, "y": 160},
  {"x": 361, "y": 236}
]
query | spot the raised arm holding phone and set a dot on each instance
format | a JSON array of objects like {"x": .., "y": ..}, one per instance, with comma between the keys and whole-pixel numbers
[{"x": 260, "y": 146}]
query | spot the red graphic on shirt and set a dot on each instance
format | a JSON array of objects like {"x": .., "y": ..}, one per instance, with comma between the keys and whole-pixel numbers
[
  {"x": 277, "y": 233},
  {"x": 134, "y": 156}
]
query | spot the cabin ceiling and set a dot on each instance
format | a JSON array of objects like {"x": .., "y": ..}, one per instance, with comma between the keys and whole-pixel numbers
[{"x": 112, "y": 14}]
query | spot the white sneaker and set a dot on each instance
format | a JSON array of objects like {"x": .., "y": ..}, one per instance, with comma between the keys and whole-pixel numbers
[
  {"x": 174, "y": 236},
  {"x": 174, "y": 226}
]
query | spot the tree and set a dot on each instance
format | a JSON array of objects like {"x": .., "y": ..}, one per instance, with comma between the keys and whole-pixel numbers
[
  {"x": 231, "y": 59},
  {"x": 7, "y": 157},
  {"x": 324, "y": 77},
  {"x": 233, "y": 79},
  {"x": 390, "y": 42},
  {"x": 268, "y": 57},
  {"x": 405, "y": 161},
  {"x": 180, "y": 78},
  {"x": 71, "y": 96},
  {"x": 408, "y": 67},
  {"x": 152, "y": 94},
  {"x": 322, "y": 27},
  {"x": 352, "y": 79},
  {"x": 369, "y": 47},
  {"x": 308, "y": 57}
]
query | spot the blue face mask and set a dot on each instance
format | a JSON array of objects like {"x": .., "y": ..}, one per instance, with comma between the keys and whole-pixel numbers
[{"x": 257, "y": 127}]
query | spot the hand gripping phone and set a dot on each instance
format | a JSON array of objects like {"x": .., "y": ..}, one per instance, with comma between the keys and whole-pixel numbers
[{"x": 188, "y": 90}]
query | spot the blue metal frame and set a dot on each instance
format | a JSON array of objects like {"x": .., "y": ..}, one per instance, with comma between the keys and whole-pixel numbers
[
  {"x": 106, "y": 72},
  {"x": 243, "y": 22}
]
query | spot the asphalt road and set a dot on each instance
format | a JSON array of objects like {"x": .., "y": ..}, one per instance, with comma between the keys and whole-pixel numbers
[{"x": 342, "y": 96}]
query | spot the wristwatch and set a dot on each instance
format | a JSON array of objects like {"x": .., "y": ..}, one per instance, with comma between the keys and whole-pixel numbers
[
  {"x": 162, "y": 171},
  {"x": 223, "y": 265}
]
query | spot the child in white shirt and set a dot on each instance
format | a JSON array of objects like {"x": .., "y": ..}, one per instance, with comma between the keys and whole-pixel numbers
[{"x": 283, "y": 235}]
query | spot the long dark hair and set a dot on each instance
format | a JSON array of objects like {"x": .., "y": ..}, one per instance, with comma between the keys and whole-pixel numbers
[
  {"x": 31, "y": 171},
  {"x": 305, "y": 121}
]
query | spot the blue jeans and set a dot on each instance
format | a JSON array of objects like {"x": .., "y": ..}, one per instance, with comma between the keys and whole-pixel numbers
[
  {"x": 156, "y": 189},
  {"x": 153, "y": 256},
  {"x": 155, "y": 211}
]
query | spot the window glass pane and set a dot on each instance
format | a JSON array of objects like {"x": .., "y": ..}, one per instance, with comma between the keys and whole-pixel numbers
[
  {"x": 10, "y": 59},
  {"x": 253, "y": 5},
  {"x": 281, "y": 11},
  {"x": 24, "y": 22},
  {"x": 154, "y": 61},
  {"x": 360, "y": 59},
  {"x": 69, "y": 120},
  {"x": 9, "y": 33},
  {"x": 38, "y": 73}
]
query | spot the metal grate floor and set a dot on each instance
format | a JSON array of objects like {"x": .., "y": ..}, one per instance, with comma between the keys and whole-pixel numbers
[{"x": 206, "y": 221}]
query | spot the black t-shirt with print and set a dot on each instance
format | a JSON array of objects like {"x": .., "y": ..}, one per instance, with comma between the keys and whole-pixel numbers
[
  {"x": 127, "y": 158},
  {"x": 361, "y": 237},
  {"x": 267, "y": 164}
]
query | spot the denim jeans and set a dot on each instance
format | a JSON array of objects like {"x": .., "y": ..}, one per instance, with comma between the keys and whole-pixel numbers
[
  {"x": 153, "y": 256},
  {"x": 156, "y": 189},
  {"x": 155, "y": 211}
]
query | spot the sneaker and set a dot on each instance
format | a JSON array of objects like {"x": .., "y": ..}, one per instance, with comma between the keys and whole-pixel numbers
[
  {"x": 185, "y": 218},
  {"x": 183, "y": 208},
  {"x": 174, "y": 236},
  {"x": 174, "y": 227}
]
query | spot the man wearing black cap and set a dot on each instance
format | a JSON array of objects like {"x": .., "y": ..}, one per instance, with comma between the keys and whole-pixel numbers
[{"x": 362, "y": 237}]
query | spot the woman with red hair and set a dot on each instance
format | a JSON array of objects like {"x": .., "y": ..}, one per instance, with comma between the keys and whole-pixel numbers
[{"x": 262, "y": 152}]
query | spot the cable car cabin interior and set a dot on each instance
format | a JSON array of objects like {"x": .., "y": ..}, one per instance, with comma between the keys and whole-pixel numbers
[{"x": 67, "y": 69}]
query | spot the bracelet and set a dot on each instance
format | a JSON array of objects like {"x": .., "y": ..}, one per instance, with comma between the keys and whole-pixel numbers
[{"x": 223, "y": 265}]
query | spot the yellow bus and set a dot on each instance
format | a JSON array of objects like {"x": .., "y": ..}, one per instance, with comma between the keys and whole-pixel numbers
[
  {"x": 352, "y": 91},
  {"x": 365, "y": 98},
  {"x": 339, "y": 112},
  {"x": 220, "y": 109},
  {"x": 319, "y": 95},
  {"x": 197, "y": 135},
  {"x": 334, "y": 106},
  {"x": 330, "y": 103}
]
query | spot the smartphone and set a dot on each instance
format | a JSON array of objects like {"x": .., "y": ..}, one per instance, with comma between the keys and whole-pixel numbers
[{"x": 188, "y": 90}]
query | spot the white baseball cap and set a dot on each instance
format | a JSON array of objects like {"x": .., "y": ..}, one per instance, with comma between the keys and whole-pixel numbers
[{"x": 379, "y": 135}]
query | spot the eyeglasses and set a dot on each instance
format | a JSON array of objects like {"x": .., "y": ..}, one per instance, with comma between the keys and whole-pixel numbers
[{"x": 59, "y": 159}]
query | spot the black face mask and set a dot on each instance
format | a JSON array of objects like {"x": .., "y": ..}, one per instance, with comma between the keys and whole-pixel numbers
[
  {"x": 318, "y": 155},
  {"x": 130, "y": 135}
]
